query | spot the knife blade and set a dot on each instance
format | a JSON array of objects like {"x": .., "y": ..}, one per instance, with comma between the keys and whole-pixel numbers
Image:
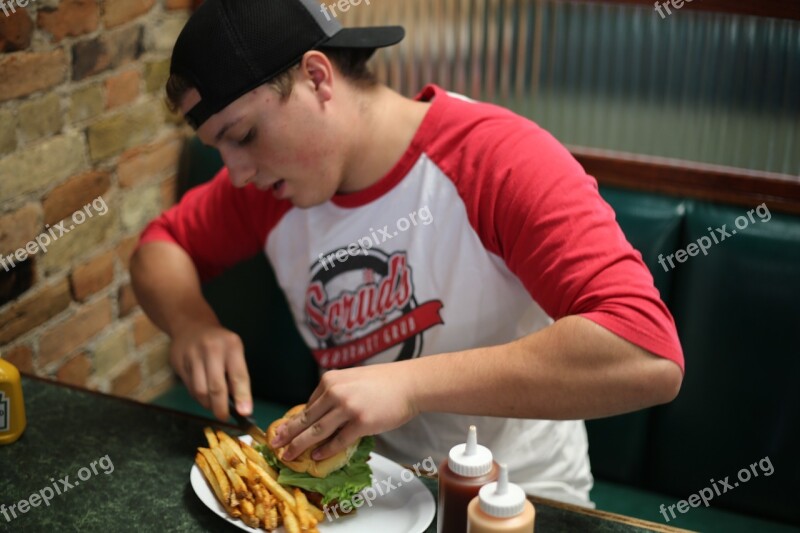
[{"x": 247, "y": 424}]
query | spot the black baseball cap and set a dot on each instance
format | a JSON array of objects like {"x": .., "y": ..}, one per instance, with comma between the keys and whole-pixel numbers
[{"x": 230, "y": 47}]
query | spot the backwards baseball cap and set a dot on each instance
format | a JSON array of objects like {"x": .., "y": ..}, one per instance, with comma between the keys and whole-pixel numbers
[{"x": 230, "y": 47}]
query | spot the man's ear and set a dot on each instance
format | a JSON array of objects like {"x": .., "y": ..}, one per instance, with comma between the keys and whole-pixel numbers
[{"x": 317, "y": 70}]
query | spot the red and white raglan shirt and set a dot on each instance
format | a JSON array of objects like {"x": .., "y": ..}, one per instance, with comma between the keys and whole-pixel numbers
[{"x": 485, "y": 231}]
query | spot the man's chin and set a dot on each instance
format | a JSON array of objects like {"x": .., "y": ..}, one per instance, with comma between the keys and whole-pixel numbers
[{"x": 306, "y": 203}]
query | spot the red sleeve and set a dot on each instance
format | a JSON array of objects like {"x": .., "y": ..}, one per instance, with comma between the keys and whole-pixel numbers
[
  {"x": 533, "y": 205},
  {"x": 217, "y": 224}
]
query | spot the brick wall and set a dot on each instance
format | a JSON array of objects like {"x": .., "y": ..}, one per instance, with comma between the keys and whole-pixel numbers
[{"x": 82, "y": 117}]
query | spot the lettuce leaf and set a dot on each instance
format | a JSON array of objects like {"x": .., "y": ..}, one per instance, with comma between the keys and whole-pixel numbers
[{"x": 341, "y": 485}]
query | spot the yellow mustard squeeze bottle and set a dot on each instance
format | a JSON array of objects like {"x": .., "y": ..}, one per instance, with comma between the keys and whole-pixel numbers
[
  {"x": 500, "y": 507},
  {"x": 12, "y": 408}
]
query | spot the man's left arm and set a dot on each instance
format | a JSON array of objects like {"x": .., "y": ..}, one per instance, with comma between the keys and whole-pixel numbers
[{"x": 613, "y": 347}]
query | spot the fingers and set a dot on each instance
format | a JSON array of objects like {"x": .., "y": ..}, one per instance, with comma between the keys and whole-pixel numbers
[
  {"x": 343, "y": 438},
  {"x": 211, "y": 365},
  {"x": 239, "y": 381},
  {"x": 217, "y": 387},
  {"x": 309, "y": 429}
]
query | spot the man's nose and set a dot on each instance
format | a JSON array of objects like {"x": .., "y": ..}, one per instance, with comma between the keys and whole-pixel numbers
[{"x": 240, "y": 171}]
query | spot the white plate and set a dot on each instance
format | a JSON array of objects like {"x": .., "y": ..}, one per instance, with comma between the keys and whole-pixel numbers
[{"x": 406, "y": 508}]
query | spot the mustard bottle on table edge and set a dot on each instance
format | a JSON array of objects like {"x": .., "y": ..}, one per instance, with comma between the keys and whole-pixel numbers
[
  {"x": 12, "y": 407},
  {"x": 501, "y": 507},
  {"x": 466, "y": 469}
]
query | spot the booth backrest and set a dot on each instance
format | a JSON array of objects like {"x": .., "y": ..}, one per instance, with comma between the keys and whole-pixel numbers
[{"x": 737, "y": 310}]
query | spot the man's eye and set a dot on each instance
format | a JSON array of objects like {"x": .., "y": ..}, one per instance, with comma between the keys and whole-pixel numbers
[{"x": 248, "y": 138}]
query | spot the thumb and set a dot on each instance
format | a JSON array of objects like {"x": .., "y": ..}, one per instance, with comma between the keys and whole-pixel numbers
[{"x": 239, "y": 383}]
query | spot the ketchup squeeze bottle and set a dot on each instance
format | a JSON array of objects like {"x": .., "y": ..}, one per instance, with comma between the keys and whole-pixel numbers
[
  {"x": 467, "y": 468},
  {"x": 12, "y": 408},
  {"x": 500, "y": 507}
]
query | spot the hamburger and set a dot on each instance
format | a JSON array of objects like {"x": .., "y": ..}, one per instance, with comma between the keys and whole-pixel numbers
[{"x": 327, "y": 483}]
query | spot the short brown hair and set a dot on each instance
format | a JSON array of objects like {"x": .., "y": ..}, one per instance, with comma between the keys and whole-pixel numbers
[{"x": 351, "y": 63}]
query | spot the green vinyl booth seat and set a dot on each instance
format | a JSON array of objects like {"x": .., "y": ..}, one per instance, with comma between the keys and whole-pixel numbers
[{"x": 738, "y": 316}]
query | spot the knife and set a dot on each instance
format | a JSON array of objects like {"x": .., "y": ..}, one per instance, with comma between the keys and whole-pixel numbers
[{"x": 247, "y": 424}]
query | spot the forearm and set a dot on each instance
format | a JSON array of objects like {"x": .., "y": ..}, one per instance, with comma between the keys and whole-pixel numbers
[
  {"x": 573, "y": 369},
  {"x": 168, "y": 287}
]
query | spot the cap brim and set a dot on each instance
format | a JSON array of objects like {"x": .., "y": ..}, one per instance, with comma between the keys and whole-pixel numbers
[{"x": 372, "y": 37}]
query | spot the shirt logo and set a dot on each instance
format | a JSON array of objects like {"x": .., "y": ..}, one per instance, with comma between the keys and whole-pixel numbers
[{"x": 365, "y": 307}]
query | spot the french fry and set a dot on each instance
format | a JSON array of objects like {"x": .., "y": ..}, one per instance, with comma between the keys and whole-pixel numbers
[
  {"x": 249, "y": 514},
  {"x": 237, "y": 484},
  {"x": 209, "y": 475},
  {"x": 256, "y": 457},
  {"x": 316, "y": 512},
  {"x": 219, "y": 474},
  {"x": 289, "y": 519},
  {"x": 211, "y": 438},
  {"x": 230, "y": 446},
  {"x": 277, "y": 490},
  {"x": 307, "y": 521},
  {"x": 271, "y": 520},
  {"x": 247, "y": 487}
]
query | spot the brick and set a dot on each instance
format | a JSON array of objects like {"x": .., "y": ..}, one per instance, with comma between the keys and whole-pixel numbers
[
  {"x": 127, "y": 300},
  {"x": 110, "y": 351},
  {"x": 154, "y": 389},
  {"x": 157, "y": 358},
  {"x": 144, "y": 163},
  {"x": 126, "y": 383},
  {"x": 74, "y": 194},
  {"x": 21, "y": 357},
  {"x": 76, "y": 371},
  {"x": 19, "y": 227},
  {"x": 40, "y": 117},
  {"x": 122, "y": 89},
  {"x": 173, "y": 5},
  {"x": 92, "y": 276},
  {"x": 139, "y": 208},
  {"x": 144, "y": 330},
  {"x": 156, "y": 74},
  {"x": 86, "y": 103},
  {"x": 169, "y": 192},
  {"x": 27, "y": 72},
  {"x": 82, "y": 240},
  {"x": 162, "y": 35},
  {"x": 8, "y": 132},
  {"x": 116, "y": 12},
  {"x": 40, "y": 165},
  {"x": 125, "y": 250},
  {"x": 64, "y": 338},
  {"x": 113, "y": 134},
  {"x": 107, "y": 51},
  {"x": 71, "y": 18},
  {"x": 15, "y": 31},
  {"x": 33, "y": 310}
]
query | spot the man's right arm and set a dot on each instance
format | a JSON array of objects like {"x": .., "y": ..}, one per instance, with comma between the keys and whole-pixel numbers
[
  {"x": 210, "y": 230},
  {"x": 208, "y": 358}
]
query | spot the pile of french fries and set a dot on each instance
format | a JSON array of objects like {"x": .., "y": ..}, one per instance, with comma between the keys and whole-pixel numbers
[{"x": 246, "y": 485}]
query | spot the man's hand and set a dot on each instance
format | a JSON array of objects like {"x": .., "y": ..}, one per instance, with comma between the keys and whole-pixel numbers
[
  {"x": 210, "y": 361},
  {"x": 347, "y": 405},
  {"x": 208, "y": 358}
]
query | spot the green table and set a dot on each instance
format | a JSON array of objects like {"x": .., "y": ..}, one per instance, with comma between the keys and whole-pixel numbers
[{"x": 128, "y": 470}]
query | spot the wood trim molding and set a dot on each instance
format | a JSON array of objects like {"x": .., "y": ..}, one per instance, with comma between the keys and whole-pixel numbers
[
  {"x": 712, "y": 183},
  {"x": 782, "y": 9}
]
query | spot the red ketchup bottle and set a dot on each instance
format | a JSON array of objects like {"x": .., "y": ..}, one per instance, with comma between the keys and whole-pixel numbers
[{"x": 468, "y": 467}]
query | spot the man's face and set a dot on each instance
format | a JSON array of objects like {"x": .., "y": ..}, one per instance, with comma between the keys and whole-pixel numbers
[{"x": 285, "y": 146}]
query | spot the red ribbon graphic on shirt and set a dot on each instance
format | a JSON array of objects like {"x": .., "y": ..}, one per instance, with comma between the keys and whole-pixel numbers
[{"x": 395, "y": 332}]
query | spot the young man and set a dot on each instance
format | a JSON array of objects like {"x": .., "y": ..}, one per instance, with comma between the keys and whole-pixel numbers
[{"x": 448, "y": 262}]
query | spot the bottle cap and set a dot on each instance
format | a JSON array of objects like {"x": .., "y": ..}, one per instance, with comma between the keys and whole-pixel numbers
[
  {"x": 502, "y": 499},
  {"x": 470, "y": 459}
]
